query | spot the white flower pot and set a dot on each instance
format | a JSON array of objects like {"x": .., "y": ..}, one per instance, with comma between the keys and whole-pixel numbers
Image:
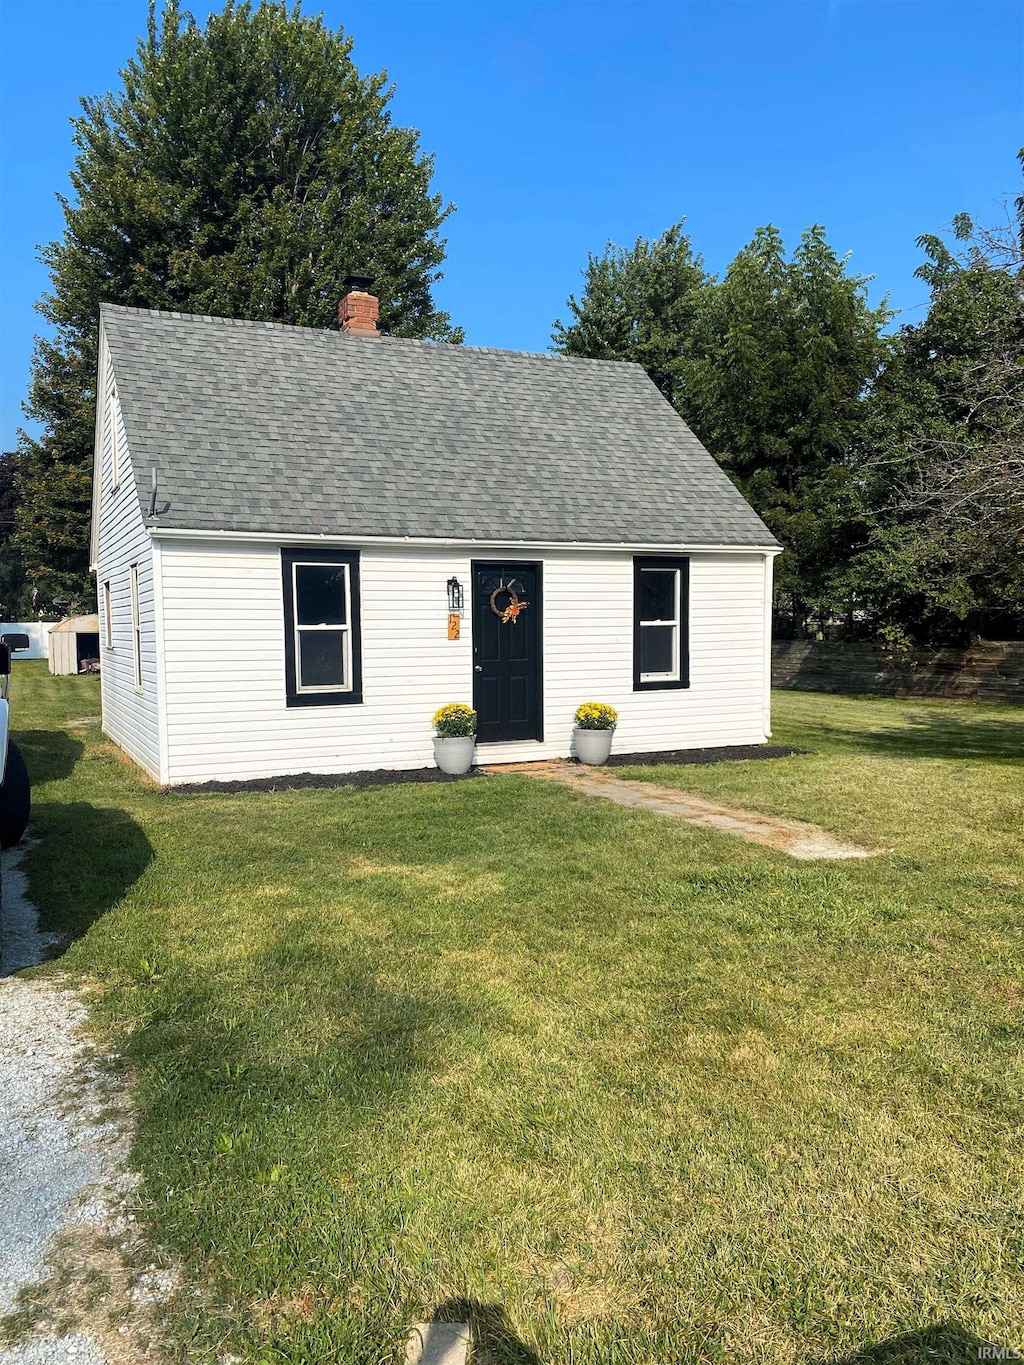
[
  {"x": 592, "y": 746},
  {"x": 454, "y": 755}
]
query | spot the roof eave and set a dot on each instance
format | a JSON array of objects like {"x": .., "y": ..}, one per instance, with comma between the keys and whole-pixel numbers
[{"x": 279, "y": 537}]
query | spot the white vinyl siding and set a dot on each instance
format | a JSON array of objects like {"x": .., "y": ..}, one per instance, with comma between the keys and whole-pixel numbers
[
  {"x": 224, "y": 659},
  {"x": 130, "y": 716}
]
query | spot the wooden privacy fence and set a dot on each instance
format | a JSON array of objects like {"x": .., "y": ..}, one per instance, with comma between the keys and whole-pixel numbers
[{"x": 990, "y": 671}]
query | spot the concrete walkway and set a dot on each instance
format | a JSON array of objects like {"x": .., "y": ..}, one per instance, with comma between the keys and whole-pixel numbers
[
  {"x": 438, "y": 1343},
  {"x": 795, "y": 837}
]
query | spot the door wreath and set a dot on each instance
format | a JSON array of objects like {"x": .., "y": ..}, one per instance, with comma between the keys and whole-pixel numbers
[{"x": 509, "y": 614}]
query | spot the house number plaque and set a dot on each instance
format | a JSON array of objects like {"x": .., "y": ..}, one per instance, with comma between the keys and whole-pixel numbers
[{"x": 454, "y": 623}]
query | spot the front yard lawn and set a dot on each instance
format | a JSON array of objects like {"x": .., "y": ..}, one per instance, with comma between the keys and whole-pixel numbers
[{"x": 626, "y": 1090}]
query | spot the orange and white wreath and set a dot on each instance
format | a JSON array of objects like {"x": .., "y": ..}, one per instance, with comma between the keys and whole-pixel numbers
[{"x": 509, "y": 614}]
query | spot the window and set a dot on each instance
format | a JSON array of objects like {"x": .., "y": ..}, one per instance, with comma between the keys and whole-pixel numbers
[
  {"x": 108, "y": 625},
  {"x": 136, "y": 628},
  {"x": 321, "y": 639},
  {"x": 115, "y": 443},
  {"x": 660, "y": 623}
]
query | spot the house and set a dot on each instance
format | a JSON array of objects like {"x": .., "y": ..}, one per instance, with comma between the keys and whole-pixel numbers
[{"x": 307, "y": 541}]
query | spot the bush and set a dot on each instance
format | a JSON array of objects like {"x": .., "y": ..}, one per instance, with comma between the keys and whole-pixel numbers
[
  {"x": 596, "y": 715},
  {"x": 454, "y": 721}
]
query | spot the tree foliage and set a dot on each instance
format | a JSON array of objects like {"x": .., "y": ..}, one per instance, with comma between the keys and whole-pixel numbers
[
  {"x": 640, "y": 303},
  {"x": 941, "y": 455},
  {"x": 15, "y": 597},
  {"x": 784, "y": 353},
  {"x": 243, "y": 169},
  {"x": 891, "y": 467},
  {"x": 768, "y": 365}
]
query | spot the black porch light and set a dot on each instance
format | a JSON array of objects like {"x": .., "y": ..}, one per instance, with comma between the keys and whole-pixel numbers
[{"x": 455, "y": 595}]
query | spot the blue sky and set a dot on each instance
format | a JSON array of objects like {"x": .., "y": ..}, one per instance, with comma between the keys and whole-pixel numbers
[{"x": 558, "y": 124}]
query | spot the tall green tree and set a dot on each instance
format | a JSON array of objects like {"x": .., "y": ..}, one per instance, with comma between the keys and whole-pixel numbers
[
  {"x": 941, "y": 458},
  {"x": 15, "y": 600},
  {"x": 769, "y": 365},
  {"x": 787, "y": 348},
  {"x": 243, "y": 169},
  {"x": 639, "y": 303}
]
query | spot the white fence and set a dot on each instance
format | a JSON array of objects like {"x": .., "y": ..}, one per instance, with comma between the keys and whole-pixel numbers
[{"x": 38, "y": 633}]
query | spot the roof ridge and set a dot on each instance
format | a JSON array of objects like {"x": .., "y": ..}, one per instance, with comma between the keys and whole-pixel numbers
[{"x": 326, "y": 332}]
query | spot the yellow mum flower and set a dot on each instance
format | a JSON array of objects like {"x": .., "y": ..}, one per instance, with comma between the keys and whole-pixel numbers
[
  {"x": 454, "y": 720},
  {"x": 596, "y": 715}
]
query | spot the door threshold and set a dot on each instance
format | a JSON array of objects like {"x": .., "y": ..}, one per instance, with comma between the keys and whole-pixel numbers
[{"x": 525, "y": 745}]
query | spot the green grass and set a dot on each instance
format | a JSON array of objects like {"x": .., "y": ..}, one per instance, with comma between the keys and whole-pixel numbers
[{"x": 625, "y": 1090}]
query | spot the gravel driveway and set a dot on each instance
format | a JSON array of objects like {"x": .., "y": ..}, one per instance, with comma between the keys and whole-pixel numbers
[{"x": 64, "y": 1137}]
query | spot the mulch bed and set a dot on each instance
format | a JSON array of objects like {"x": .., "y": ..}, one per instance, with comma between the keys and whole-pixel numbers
[
  {"x": 371, "y": 777},
  {"x": 386, "y": 777},
  {"x": 729, "y": 754}
]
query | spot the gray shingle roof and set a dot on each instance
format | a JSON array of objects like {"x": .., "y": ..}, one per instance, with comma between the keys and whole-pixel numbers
[{"x": 259, "y": 427}]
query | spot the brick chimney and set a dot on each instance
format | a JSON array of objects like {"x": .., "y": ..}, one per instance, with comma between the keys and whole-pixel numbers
[{"x": 357, "y": 311}]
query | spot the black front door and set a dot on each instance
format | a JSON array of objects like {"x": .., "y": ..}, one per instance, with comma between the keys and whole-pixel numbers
[{"x": 507, "y": 651}]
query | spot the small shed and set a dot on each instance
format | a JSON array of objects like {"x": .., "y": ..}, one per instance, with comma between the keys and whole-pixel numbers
[
  {"x": 75, "y": 645},
  {"x": 354, "y": 529}
]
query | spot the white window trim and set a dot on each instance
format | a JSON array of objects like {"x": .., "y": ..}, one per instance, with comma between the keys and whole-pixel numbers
[
  {"x": 115, "y": 443},
  {"x": 675, "y": 623},
  {"x": 108, "y": 624},
  {"x": 133, "y": 576},
  {"x": 346, "y": 629}
]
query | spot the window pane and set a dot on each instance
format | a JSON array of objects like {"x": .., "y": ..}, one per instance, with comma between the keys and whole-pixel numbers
[
  {"x": 657, "y": 594},
  {"x": 320, "y": 594},
  {"x": 656, "y": 649},
  {"x": 321, "y": 658}
]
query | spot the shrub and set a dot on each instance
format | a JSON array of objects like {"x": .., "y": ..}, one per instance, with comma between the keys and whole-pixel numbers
[
  {"x": 454, "y": 721},
  {"x": 596, "y": 715}
]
